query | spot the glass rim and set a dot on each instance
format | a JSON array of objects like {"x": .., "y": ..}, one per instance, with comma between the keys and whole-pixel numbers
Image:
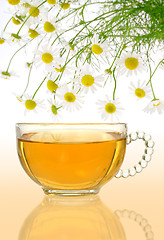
[{"x": 71, "y": 124}]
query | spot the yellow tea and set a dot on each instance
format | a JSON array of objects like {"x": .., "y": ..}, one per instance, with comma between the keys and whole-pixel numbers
[{"x": 69, "y": 159}]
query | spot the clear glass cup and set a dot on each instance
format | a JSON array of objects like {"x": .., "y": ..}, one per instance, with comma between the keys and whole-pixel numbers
[{"x": 75, "y": 159}]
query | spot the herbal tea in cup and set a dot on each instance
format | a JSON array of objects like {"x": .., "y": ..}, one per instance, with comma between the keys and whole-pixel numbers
[{"x": 71, "y": 158}]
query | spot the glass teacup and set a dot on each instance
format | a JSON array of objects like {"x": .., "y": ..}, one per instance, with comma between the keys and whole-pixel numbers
[{"x": 76, "y": 158}]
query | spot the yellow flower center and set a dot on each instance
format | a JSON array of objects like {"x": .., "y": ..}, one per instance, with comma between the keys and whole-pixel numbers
[
  {"x": 156, "y": 105},
  {"x": 16, "y": 21},
  {"x": 49, "y": 27},
  {"x": 47, "y": 58},
  {"x": 96, "y": 49},
  {"x": 54, "y": 109},
  {"x": 51, "y": 1},
  {"x": 110, "y": 108},
  {"x": 33, "y": 33},
  {"x": 61, "y": 69},
  {"x": 69, "y": 97},
  {"x": 87, "y": 80},
  {"x": 131, "y": 63},
  {"x": 2, "y": 40},
  {"x": 65, "y": 5},
  {"x": 52, "y": 86},
  {"x": 140, "y": 93},
  {"x": 30, "y": 104},
  {"x": 34, "y": 12},
  {"x": 14, "y": 2}
]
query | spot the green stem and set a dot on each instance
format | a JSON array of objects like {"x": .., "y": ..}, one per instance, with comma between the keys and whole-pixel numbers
[
  {"x": 70, "y": 13},
  {"x": 114, "y": 91},
  {"x": 79, "y": 32},
  {"x": 60, "y": 8},
  {"x": 38, "y": 87},
  {"x": 30, "y": 16},
  {"x": 151, "y": 85},
  {"x": 82, "y": 13},
  {"x": 29, "y": 74},
  {"x": 99, "y": 3},
  {"x": 154, "y": 71},
  {"x": 87, "y": 23},
  {"x": 118, "y": 52},
  {"x": 7, "y": 24},
  {"x": 15, "y": 54},
  {"x": 77, "y": 25},
  {"x": 82, "y": 50},
  {"x": 65, "y": 32}
]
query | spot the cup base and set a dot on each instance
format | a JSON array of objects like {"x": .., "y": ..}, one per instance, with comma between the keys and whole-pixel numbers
[{"x": 70, "y": 192}]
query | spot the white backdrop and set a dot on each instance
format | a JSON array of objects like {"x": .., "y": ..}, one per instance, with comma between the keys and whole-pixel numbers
[{"x": 11, "y": 111}]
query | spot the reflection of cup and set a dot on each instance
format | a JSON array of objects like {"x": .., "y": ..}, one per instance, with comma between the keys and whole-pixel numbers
[
  {"x": 72, "y": 218},
  {"x": 71, "y": 158}
]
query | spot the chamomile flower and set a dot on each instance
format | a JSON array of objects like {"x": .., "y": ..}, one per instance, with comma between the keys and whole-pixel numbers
[
  {"x": 35, "y": 12},
  {"x": 130, "y": 63},
  {"x": 47, "y": 56},
  {"x": 65, "y": 5},
  {"x": 14, "y": 38},
  {"x": 54, "y": 109},
  {"x": 89, "y": 80},
  {"x": 51, "y": 2},
  {"x": 34, "y": 33},
  {"x": 109, "y": 108},
  {"x": 32, "y": 104},
  {"x": 69, "y": 47},
  {"x": 69, "y": 98},
  {"x": 106, "y": 70},
  {"x": 60, "y": 68},
  {"x": 52, "y": 86},
  {"x": 140, "y": 90},
  {"x": 17, "y": 11},
  {"x": 155, "y": 106},
  {"x": 22, "y": 10},
  {"x": 2, "y": 40},
  {"x": 8, "y": 75},
  {"x": 16, "y": 21},
  {"x": 99, "y": 47},
  {"x": 59, "y": 65},
  {"x": 50, "y": 26},
  {"x": 14, "y": 2}
]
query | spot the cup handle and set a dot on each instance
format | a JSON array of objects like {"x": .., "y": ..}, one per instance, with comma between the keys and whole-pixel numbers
[
  {"x": 149, "y": 144},
  {"x": 143, "y": 222}
]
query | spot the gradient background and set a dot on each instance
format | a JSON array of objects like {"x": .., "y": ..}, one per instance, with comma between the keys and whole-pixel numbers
[{"x": 19, "y": 195}]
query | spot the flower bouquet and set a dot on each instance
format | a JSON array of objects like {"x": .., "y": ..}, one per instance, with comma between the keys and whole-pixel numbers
[{"x": 82, "y": 47}]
